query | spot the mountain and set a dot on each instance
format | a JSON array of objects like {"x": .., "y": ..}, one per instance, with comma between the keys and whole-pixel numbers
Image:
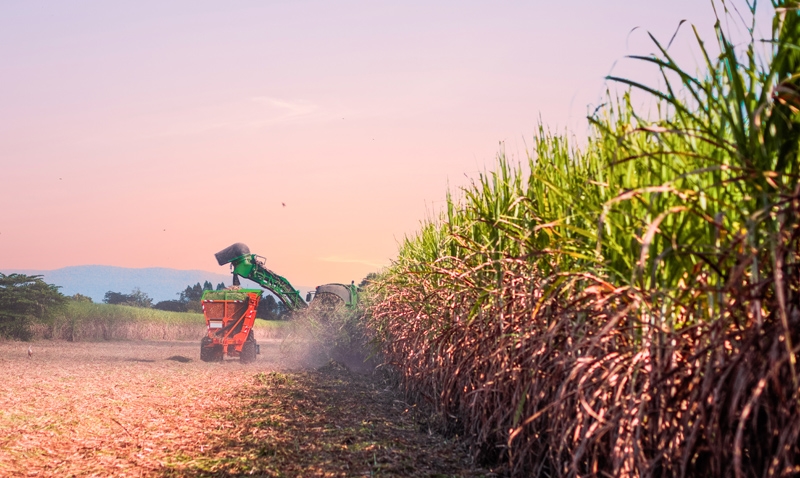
[{"x": 159, "y": 283}]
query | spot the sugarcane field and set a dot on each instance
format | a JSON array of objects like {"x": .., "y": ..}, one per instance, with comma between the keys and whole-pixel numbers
[{"x": 371, "y": 294}]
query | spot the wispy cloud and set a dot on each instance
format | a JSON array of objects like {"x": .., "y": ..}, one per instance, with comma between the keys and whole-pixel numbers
[
  {"x": 288, "y": 109},
  {"x": 350, "y": 260},
  {"x": 246, "y": 113}
]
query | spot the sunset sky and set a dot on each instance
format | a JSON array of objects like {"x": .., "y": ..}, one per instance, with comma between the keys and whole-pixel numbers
[{"x": 154, "y": 134}]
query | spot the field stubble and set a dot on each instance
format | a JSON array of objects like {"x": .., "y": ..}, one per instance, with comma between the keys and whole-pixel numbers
[
  {"x": 91, "y": 408},
  {"x": 154, "y": 409}
]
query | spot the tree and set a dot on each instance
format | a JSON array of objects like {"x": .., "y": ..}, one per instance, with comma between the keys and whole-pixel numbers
[
  {"x": 136, "y": 298},
  {"x": 267, "y": 308},
  {"x": 191, "y": 296},
  {"x": 372, "y": 276},
  {"x": 115, "y": 298},
  {"x": 171, "y": 306},
  {"x": 192, "y": 293},
  {"x": 24, "y": 299},
  {"x": 281, "y": 311},
  {"x": 81, "y": 298}
]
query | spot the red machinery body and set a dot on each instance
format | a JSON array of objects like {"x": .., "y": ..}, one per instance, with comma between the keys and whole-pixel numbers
[{"x": 230, "y": 315}]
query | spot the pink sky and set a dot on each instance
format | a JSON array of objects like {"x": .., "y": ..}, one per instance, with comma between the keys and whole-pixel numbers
[{"x": 153, "y": 134}]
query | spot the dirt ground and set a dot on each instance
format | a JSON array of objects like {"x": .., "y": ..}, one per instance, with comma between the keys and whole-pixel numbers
[{"x": 154, "y": 409}]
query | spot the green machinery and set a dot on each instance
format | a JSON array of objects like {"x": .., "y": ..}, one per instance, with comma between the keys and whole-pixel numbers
[
  {"x": 253, "y": 267},
  {"x": 347, "y": 293}
]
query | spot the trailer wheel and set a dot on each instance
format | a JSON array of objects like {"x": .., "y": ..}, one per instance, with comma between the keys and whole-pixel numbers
[
  {"x": 208, "y": 353},
  {"x": 248, "y": 353}
]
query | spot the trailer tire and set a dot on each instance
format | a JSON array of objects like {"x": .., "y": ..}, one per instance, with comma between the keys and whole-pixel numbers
[
  {"x": 209, "y": 353},
  {"x": 248, "y": 353}
]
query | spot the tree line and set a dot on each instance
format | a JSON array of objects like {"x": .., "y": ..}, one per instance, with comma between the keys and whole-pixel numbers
[
  {"x": 189, "y": 301},
  {"x": 25, "y": 299}
]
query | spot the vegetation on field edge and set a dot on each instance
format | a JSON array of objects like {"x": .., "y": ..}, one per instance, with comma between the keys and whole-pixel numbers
[
  {"x": 32, "y": 309},
  {"x": 631, "y": 307}
]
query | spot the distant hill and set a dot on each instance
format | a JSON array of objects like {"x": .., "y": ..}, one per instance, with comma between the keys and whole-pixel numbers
[{"x": 157, "y": 282}]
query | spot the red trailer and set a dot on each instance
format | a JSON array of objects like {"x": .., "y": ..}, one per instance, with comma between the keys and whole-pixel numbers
[{"x": 230, "y": 315}]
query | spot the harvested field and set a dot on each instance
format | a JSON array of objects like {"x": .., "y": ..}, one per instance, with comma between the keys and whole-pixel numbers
[{"x": 154, "y": 409}]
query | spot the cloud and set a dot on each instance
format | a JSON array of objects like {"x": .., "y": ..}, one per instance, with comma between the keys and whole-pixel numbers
[
  {"x": 279, "y": 110},
  {"x": 246, "y": 113},
  {"x": 288, "y": 109}
]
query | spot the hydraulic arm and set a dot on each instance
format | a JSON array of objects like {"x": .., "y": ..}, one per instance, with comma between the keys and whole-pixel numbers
[{"x": 253, "y": 267}]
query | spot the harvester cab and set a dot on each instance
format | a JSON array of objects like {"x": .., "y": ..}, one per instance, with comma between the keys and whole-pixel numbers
[{"x": 346, "y": 293}]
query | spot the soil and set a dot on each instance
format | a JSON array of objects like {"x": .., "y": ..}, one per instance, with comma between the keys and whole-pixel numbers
[{"x": 154, "y": 409}]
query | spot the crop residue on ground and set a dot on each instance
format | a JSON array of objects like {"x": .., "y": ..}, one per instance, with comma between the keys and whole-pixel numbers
[{"x": 136, "y": 409}]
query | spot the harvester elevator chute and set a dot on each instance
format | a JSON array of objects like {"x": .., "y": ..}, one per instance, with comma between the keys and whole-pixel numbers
[{"x": 253, "y": 267}]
